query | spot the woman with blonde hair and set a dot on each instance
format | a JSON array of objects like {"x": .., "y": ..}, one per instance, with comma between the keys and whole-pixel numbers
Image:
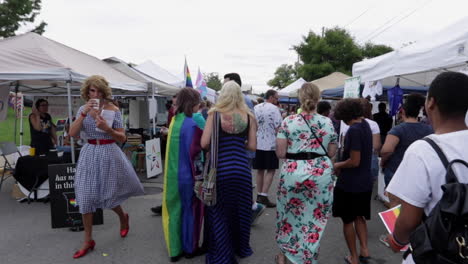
[
  {"x": 104, "y": 177},
  {"x": 306, "y": 142},
  {"x": 228, "y": 222}
]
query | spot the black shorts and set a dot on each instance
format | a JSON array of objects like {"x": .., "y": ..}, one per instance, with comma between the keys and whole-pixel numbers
[
  {"x": 265, "y": 160},
  {"x": 348, "y": 205}
]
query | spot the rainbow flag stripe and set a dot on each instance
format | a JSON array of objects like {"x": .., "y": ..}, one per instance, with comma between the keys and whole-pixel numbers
[
  {"x": 73, "y": 202},
  {"x": 182, "y": 212}
]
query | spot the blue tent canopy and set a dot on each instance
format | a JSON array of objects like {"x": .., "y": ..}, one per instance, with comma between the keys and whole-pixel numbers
[
  {"x": 288, "y": 100},
  {"x": 338, "y": 92}
]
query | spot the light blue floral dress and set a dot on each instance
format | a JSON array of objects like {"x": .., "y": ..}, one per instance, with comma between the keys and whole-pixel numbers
[{"x": 305, "y": 191}]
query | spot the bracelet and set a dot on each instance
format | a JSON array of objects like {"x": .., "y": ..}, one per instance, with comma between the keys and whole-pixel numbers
[
  {"x": 396, "y": 245},
  {"x": 83, "y": 115},
  {"x": 398, "y": 242}
]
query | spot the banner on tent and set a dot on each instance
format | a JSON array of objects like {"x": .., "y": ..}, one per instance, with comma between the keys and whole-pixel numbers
[{"x": 351, "y": 87}]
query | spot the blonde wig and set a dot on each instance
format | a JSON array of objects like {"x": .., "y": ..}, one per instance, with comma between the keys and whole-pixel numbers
[
  {"x": 100, "y": 84},
  {"x": 309, "y": 95},
  {"x": 231, "y": 99}
]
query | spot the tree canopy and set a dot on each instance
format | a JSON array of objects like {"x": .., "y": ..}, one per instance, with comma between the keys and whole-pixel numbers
[
  {"x": 213, "y": 81},
  {"x": 17, "y": 13},
  {"x": 320, "y": 55},
  {"x": 284, "y": 75}
]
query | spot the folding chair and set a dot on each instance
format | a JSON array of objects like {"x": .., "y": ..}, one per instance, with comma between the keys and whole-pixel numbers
[{"x": 7, "y": 148}]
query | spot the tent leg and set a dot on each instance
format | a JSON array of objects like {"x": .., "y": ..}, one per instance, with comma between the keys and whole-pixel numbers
[
  {"x": 16, "y": 109},
  {"x": 154, "y": 118},
  {"x": 70, "y": 118}
]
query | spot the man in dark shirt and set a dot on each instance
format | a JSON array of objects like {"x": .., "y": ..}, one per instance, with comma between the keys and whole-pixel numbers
[{"x": 384, "y": 120}]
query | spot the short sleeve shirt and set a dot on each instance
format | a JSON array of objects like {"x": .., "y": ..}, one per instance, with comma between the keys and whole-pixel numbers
[
  {"x": 268, "y": 119},
  {"x": 420, "y": 175},
  {"x": 407, "y": 133},
  {"x": 359, "y": 179}
]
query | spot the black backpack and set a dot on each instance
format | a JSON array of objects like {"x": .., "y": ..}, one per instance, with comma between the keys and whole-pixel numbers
[{"x": 443, "y": 236}]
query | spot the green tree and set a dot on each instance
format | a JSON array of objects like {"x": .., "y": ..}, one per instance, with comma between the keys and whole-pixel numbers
[
  {"x": 213, "y": 81},
  {"x": 371, "y": 50},
  {"x": 333, "y": 50},
  {"x": 284, "y": 75},
  {"x": 17, "y": 13},
  {"x": 322, "y": 55}
]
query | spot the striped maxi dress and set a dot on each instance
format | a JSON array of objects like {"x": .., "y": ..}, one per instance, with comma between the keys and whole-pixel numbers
[
  {"x": 182, "y": 212},
  {"x": 228, "y": 222}
]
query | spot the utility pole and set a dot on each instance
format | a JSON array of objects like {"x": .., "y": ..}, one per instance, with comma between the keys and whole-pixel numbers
[{"x": 323, "y": 31}]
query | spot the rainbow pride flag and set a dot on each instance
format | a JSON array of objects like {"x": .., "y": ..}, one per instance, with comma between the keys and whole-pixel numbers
[
  {"x": 389, "y": 218},
  {"x": 182, "y": 212},
  {"x": 188, "y": 78},
  {"x": 72, "y": 202}
]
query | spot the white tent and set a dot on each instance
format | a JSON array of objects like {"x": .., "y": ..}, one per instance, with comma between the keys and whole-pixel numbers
[
  {"x": 38, "y": 65},
  {"x": 417, "y": 64},
  {"x": 291, "y": 90},
  {"x": 160, "y": 88},
  {"x": 157, "y": 72}
]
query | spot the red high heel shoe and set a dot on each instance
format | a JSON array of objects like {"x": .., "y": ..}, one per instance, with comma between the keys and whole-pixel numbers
[
  {"x": 89, "y": 246},
  {"x": 124, "y": 232}
]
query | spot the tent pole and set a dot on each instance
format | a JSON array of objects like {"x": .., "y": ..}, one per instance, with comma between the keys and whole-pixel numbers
[
  {"x": 70, "y": 118},
  {"x": 16, "y": 109},
  {"x": 21, "y": 119},
  {"x": 153, "y": 90}
]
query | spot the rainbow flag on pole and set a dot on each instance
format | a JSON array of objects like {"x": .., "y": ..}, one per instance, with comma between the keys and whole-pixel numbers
[{"x": 188, "y": 78}]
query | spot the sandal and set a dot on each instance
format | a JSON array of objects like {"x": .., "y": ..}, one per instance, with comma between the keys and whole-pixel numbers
[
  {"x": 364, "y": 260},
  {"x": 347, "y": 261}
]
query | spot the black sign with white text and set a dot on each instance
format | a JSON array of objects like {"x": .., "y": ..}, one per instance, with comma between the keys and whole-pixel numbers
[{"x": 63, "y": 206}]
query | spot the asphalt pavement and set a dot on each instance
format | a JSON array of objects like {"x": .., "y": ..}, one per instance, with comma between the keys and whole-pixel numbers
[{"x": 26, "y": 235}]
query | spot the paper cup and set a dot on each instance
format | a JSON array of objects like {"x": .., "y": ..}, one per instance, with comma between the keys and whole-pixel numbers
[
  {"x": 96, "y": 103},
  {"x": 32, "y": 152}
]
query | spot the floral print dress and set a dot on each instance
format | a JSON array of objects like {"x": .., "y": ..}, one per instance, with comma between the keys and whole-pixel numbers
[{"x": 305, "y": 191}]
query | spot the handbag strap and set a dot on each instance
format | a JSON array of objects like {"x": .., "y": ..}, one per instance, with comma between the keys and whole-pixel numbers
[
  {"x": 315, "y": 135},
  {"x": 214, "y": 141}
]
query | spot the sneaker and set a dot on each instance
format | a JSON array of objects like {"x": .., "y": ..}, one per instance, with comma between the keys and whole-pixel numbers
[
  {"x": 384, "y": 240},
  {"x": 257, "y": 213},
  {"x": 264, "y": 200},
  {"x": 157, "y": 210}
]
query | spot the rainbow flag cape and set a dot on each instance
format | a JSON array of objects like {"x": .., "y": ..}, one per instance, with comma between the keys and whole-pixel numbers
[
  {"x": 188, "y": 78},
  {"x": 182, "y": 212}
]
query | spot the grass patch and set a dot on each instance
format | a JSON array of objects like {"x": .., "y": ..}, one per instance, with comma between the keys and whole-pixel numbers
[{"x": 7, "y": 127}]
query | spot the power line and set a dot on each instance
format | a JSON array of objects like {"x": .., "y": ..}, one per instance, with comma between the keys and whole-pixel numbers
[
  {"x": 380, "y": 27},
  {"x": 409, "y": 14},
  {"x": 363, "y": 13}
]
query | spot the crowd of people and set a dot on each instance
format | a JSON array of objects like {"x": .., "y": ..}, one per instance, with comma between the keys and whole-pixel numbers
[{"x": 320, "y": 174}]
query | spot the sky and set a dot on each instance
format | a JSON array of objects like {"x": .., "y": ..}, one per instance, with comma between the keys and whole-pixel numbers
[{"x": 251, "y": 37}]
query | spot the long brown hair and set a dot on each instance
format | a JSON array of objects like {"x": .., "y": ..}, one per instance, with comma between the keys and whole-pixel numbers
[{"x": 187, "y": 98}]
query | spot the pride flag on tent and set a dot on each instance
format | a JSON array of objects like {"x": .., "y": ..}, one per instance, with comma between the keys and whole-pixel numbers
[
  {"x": 188, "y": 78},
  {"x": 201, "y": 84}
]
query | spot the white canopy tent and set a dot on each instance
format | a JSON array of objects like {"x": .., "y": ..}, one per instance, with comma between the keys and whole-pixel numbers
[
  {"x": 36, "y": 65},
  {"x": 160, "y": 87},
  {"x": 416, "y": 65},
  {"x": 157, "y": 72},
  {"x": 291, "y": 90}
]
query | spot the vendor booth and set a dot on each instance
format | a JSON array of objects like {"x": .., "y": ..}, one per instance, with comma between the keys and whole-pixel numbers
[
  {"x": 38, "y": 66},
  {"x": 415, "y": 66}
]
